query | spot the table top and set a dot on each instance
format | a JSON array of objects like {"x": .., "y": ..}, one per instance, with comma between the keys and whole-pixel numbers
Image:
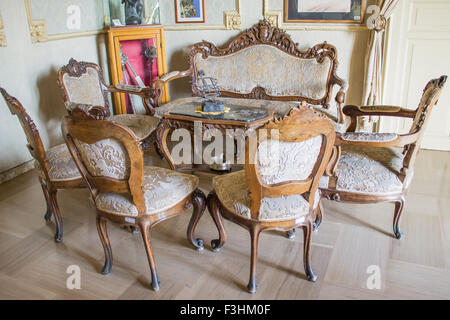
[{"x": 237, "y": 113}]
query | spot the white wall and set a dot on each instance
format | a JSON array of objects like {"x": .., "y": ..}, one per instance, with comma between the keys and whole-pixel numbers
[{"x": 29, "y": 71}]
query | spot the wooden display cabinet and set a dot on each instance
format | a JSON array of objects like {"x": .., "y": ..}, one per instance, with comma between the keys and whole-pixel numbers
[{"x": 137, "y": 57}]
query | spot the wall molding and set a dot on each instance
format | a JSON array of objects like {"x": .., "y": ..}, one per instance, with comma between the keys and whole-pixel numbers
[
  {"x": 232, "y": 21},
  {"x": 275, "y": 17},
  {"x": 16, "y": 171},
  {"x": 3, "y": 42},
  {"x": 39, "y": 33}
]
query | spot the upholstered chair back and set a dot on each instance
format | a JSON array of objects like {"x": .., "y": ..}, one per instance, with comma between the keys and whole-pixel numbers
[
  {"x": 82, "y": 83},
  {"x": 107, "y": 154},
  {"x": 255, "y": 66},
  {"x": 290, "y": 157},
  {"x": 35, "y": 145}
]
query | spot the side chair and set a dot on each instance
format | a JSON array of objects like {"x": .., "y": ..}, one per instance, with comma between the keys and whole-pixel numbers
[
  {"x": 123, "y": 190},
  {"x": 83, "y": 83},
  {"x": 55, "y": 166},
  {"x": 370, "y": 168},
  {"x": 278, "y": 188}
]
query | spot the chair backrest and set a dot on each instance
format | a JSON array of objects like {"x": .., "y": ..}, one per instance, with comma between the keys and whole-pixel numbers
[
  {"x": 107, "y": 154},
  {"x": 290, "y": 156},
  {"x": 35, "y": 145},
  {"x": 82, "y": 83},
  {"x": 264, "y": 63},
  {"x": 430, "y": 97}
]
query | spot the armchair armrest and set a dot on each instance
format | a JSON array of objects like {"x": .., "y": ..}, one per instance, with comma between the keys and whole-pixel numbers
[
  {"x": 147, "y": 94},
  {"x": 391, "y": 111},
  {"x": 380, "y": 110},
  {"x": 161, "y": 82},
  {"x": 375, "y": 139}
]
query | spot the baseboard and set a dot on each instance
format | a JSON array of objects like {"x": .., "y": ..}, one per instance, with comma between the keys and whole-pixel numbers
[{"x": 16, "y": 171}]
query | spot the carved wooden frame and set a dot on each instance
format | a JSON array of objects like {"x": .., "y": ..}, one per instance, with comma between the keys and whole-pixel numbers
[
  {"x": 37, "y": 151},
  {"x": 89, "y": 128},
  {"x": 264, "y": 33},
  {"x": 410, "y": 143}
]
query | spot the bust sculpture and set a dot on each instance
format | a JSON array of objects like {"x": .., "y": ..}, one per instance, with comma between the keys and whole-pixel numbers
[{"x": 133, "y": 12}]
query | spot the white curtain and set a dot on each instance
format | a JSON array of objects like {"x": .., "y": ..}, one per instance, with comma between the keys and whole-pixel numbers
[{"x": 374, "y": 60}]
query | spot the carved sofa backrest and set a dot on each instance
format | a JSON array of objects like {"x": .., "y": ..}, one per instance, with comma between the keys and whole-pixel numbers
[{"x": 264, "y": 63}]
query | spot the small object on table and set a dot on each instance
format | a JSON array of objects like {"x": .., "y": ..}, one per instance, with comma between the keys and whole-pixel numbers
[{"x": 207, "y": 86}]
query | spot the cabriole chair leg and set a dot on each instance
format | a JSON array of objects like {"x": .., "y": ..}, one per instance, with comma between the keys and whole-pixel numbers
[
  {"x": 254, "y": 235},
  {"x": 103, "y": 234},
  {"x": 306, "y": 252},
  {"x": 399, "y": 206},
  {"x": 145, "y": 231}
]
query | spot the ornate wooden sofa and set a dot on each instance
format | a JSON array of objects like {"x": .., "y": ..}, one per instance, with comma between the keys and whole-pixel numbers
[{"x": 264, "y": 67}]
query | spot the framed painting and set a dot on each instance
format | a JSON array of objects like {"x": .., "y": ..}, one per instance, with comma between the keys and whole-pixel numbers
[
  {"x": 324, "y": 11},
  {"x": 190, "y": 11}
]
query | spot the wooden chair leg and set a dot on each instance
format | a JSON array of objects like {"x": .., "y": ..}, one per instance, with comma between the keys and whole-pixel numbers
[
  {"x": 290, "y": 234},
  {"x": 103, "y": 234},
  {"x": 48, "y": 213},
  {"x": 145, "y": 231},
  {"x": 56, "y": 214},
  {"x": 399, "y": 206},
  {"x": 319, "y": 216},
  {"x": 306, "y": 252},
  {"x": 254, "y": 234},
  {"x": 214, "y": 211},
  {"x": 199, "y": 202}
]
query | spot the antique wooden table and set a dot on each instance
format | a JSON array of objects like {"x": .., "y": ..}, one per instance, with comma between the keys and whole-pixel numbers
[{"x": 186, "y": 115}]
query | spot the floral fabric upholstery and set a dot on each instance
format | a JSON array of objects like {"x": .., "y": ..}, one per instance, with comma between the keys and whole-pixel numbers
[
  {"x": 233, "y": 193},
  {"x": 163, "y": 189},
  {"x": 85, "y": 89},
  {"x": 280, "y": 161},
  {"x": 141, "y": 125},
  {"x": 280, "y": 108},
  {"x": 105, "y": 158},
  {"x": 367, "y": 136},
  {"x": 369, "y": 170},
  {"x": 279, "y": 73},
  {"x": 62, "y": 166}
]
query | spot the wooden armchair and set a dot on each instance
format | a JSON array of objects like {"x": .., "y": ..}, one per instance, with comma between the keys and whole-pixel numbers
[
  {"x": 55, "y": 166},
  {"x": 83, "y": 83},
  {"x": 278, "y": 188},
  {"x": 125, "y": 191},
  {"x": 369, "y": 169}
]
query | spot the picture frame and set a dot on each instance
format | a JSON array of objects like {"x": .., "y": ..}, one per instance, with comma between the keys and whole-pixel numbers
[
  {"x": 190, "y": 11},
  {"x": 324, "y": 11}
]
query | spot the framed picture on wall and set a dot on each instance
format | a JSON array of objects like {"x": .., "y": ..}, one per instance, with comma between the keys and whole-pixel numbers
[
  {"x": 324, "y": 11},
  {"x": 190, "y": 11}
]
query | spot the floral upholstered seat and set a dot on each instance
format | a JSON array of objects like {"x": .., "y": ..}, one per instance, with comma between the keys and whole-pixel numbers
[
  {"x": 233, "y": 192},
  {"x": 163, "y": 188},
  {"x": 141, "y": 125},
  {"x": 368, "y": 170},
  {"x": 61, "y": 164}
]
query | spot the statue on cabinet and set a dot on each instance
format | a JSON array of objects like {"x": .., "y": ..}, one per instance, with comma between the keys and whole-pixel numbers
[{"x": 134, "y": 10}]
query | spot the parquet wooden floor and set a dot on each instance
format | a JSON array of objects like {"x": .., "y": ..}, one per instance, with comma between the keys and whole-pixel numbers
[{"x": 351, "y": 238}]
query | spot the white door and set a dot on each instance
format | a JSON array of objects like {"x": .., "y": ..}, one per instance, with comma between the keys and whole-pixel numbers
[{"x": 419, "y": 50}]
